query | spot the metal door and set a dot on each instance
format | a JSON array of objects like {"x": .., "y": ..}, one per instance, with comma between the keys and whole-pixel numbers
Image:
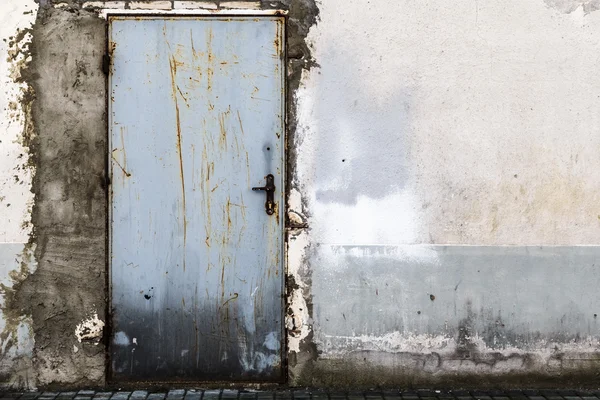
[{"x": 196, "y": 120}]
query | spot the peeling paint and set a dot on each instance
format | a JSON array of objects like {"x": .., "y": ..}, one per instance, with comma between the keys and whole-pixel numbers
[
  {"x": 297, "y": 317},
  {"x": 90, "y": 329}
]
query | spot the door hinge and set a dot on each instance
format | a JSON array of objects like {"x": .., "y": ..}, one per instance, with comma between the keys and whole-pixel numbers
[{"x": 106, "y": 64}]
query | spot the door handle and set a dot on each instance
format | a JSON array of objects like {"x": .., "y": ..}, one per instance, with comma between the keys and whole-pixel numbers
[{"x": 269, "y": 188}]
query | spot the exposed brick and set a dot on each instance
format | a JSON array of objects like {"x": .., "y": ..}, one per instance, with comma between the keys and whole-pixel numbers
[
  {"x": 247, "y": 5},
  {"x": 150, "y": 5},
  {"x": 194, "y": 4}
]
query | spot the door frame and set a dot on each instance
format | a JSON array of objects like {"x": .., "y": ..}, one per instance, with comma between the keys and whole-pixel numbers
[{"x": 107, "y": 14}]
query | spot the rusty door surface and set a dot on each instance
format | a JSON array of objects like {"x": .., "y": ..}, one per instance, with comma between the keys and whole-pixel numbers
[{"x": 196, "y": 115}]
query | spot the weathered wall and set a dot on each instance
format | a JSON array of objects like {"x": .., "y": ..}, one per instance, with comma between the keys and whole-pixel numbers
[
  {"x": 57, "y": 297},
  {"x": 443, "y": 178},
  {"x": 448, "y": 158}
]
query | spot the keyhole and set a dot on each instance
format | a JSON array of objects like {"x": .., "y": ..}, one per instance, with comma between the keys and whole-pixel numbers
[{"x": 268, "y": 148}]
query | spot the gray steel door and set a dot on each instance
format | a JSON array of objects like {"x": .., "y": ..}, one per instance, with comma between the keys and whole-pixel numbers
[{"x": 196, "y": 120}]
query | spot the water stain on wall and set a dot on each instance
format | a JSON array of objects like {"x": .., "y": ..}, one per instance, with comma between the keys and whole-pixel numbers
[{"x": 568, "y": 6}]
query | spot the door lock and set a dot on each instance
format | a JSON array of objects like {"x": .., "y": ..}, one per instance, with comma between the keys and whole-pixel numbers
[{"x": 269, "y": 188}]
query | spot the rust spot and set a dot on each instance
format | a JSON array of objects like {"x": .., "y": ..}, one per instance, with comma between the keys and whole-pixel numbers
[
  {"x": 124, "y": 166},
  {"x": 223, "y": 135},
  {"x": 210, "y": 58},
  {"x": 127, "y": 174},
  {"x": 173, "y": 69},
  {"x": 192, "y": 43},
  {"x": 182, "y": 96},
  {"x": 235, "y": 296},
  {"x": 240, "y": 120}
]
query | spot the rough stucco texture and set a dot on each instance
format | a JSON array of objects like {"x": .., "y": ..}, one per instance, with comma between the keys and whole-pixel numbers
[
  {"x": 448, "y": 157},
  {"x": 69, "y": 214}
]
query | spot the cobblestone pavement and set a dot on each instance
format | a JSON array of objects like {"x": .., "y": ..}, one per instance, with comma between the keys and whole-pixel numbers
[{"x": 305, "y": 394}]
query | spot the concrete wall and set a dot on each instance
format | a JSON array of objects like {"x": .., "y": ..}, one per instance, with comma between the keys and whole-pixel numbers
[
  {"x": 449, "y": 165},
  {"x": 442, "y": 213}
]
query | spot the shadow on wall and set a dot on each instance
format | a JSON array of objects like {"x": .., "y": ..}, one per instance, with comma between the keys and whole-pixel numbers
[{"x": 363, "y": 144}]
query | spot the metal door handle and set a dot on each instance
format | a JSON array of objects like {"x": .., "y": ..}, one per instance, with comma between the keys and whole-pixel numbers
[{"x": 270, "y": 189}]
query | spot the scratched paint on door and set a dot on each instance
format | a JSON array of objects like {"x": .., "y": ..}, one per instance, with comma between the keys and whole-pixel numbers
[{"x": 196, "y": 121}]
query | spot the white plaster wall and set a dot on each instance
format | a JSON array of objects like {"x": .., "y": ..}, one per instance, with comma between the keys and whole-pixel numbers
[
  {"x": 16, "y": 199},
  {"x": 464, "y": 122},
  {"x": 473, "y": 124}
]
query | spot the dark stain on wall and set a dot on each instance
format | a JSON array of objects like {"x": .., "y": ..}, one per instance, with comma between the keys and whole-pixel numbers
[{"x": 69, "y": 215}]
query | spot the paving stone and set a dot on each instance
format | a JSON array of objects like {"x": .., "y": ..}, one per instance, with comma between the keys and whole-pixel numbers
[
  {"x": 343, "y": 396},
  {"x": 409, "y": 396},
  {"x": 30, "y": 395},
  {"x": 156, "y": 396},
  {"x": 176, "y": 394},
  {"x": 102, "y": 395},
  {"x": 279, "y": 395},
  {"x": 588, "y": 397},
  {"x": 66, "y": 395},
  {"x": 193, "y": 395},
  {"x": 139, "y": 394},
  {"x": 247, "y": 395},
  {"x": 211, "y": 395},
  {"x": 86, "y": 393},
  {"x": 301, "y": 395},
  {"x": 229, "y": 394},
  {"x": 571, "y": 397},
  {"x": 120, "y": 395},
  {"x": 82, "y": 397}
]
